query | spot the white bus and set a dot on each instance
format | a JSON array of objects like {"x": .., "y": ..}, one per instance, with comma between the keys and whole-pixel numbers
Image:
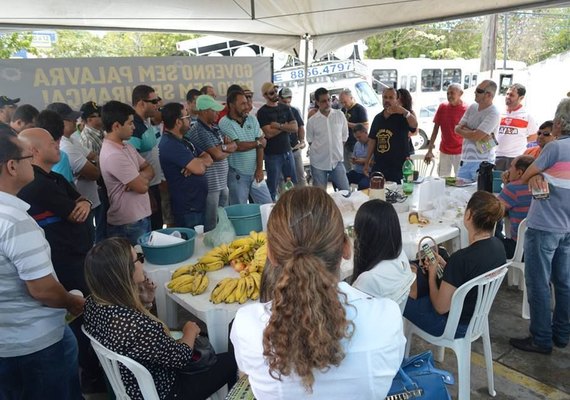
[{"x": 428, "y": 80}]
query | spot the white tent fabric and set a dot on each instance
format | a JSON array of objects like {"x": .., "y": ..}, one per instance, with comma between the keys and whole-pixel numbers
[{"x": 276, "y": 24}]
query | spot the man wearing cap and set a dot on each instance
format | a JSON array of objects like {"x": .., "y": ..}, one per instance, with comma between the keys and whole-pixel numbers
[
  {"x": 145, "y": 140},
  {"x": 355, "y": 114},
  {"x": 24, "y": 117},
  {"x": 297, "y": 139},
  {"x": 7, "y": 108},
  {"x": 83, "y": 162},
  {"x": 277, "y": 121},
  {"x": 206, "y": 135},
  {"x": 91, "y": 139},
  {"x": 251, "y": 109},
  {"x": 245, "y": 177},
  {"x": 327, "y": 131}
]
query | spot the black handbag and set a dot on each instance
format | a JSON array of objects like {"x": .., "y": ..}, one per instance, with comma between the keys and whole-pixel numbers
[
  {"x": 203, "y": 357},
  {"x": 419, "y": 379}
]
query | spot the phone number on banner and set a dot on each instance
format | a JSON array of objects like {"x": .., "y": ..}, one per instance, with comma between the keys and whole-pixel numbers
[{"x": 319, "y": 70}]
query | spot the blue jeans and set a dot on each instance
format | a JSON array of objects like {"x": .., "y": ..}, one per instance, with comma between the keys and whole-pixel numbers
[
  {"x": 338, "y": 177},
  {"x": 277, "y": 166},
  {"x": 215, "y": 199},
  {"x": 547, "y": 259},
  {"x": 242, "y": 186},
  {"x": 468, "y": 170},
  {"x": 189, "y": 220},
  {"x": 361, "y": 180},
  {"x": 48, "y": 374},
  {"x": 131, "y": 232}
]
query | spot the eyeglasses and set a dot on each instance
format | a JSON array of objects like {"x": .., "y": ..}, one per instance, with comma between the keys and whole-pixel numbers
[
  {"x": 153, "y": 101},
  {"x": 272, "y": 93},
  {"x": 544, "y": 133},
  {"x": 22, "y": 158},
  {"x": 140, "y": 258},
  {"x": 480, "y": 91},
  {"x": 249, "y": 96}
]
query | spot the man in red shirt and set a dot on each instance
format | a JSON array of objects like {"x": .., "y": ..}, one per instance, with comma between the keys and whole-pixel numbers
[{"x": 447, "y": 117}]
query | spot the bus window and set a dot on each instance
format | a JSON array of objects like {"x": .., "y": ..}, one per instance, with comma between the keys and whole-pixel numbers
[
  {"x": 413, "y": 83},
  {"x": 466, "y": 82},
  {"x": 367, "y": 96},
  {"x": 404, "y": 82},
  {"x": 384, "y": 78},
  {"x": 473, "y": 80},
  {"x": 451, "y": 76},
  {"x": 431, "y": 80},
  {"x": 505, "y": 82}
]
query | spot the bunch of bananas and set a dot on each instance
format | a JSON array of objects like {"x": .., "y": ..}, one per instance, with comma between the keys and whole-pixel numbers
[
  {"x": 232, "y": 290},
  {"x": 195, "y": 283},
  {"x": 244, "y": 250}
]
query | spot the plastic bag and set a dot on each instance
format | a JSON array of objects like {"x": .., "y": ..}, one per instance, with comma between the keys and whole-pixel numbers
[{"x": 224, "y": 231}]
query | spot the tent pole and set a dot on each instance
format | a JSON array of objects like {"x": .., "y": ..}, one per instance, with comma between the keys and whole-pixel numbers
[{"x": 306, "y": 38}]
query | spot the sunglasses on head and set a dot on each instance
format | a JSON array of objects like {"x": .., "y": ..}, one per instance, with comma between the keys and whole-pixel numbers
[
  {"x": 140, "y": 258},
  {"x": 153, "y": 101},
  {"x": 544, "y": 133}
]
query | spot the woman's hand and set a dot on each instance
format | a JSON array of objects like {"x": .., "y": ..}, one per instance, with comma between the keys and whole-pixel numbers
[
  {"x": 190, "y": 332},
  {"x": 432, "y": 267}
]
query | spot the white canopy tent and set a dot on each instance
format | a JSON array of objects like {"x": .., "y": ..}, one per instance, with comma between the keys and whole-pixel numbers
[{"x": 277, "y": 25}]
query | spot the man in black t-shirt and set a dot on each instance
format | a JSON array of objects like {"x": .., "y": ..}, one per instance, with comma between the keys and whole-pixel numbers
[
  {"x": 388, "y": 137},
  {"x": 277, "y": 121},
  {"x": 355, "y": 114},
  {"x": 297, "y": 139}
]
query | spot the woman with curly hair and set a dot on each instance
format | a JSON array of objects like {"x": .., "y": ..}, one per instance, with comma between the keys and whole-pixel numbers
[{"x": 315, "y": 337}]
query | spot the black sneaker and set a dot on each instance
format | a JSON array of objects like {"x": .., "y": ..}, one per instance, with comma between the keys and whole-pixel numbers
[
  {"x": 527, "y": 344},
  {"x": 559, "y": 344}
]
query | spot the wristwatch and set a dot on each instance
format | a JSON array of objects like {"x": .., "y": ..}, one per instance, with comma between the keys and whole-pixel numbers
[
  {"x": 407, "y": 114},
  {"x": 259, "y": 145},
  {"x": 224, "y": 147}
]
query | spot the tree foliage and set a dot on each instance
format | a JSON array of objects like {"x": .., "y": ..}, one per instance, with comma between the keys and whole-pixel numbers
[{"x": 11, "y": 43}]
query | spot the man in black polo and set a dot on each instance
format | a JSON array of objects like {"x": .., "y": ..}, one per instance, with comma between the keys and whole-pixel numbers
[{"x": 277, "y": 122}]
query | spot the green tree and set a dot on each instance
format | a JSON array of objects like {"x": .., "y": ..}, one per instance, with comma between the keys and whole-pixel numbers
[
  {"x": 11, "y": 43},
  {"x": 75, "y": 44}
]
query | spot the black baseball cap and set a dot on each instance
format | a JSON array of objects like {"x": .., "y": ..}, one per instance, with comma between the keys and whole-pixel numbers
[
  {"x": 64, "y": 111},
  {"x": 6, "y": 101}
]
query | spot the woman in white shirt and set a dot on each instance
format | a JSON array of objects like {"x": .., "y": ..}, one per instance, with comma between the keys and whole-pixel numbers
[
  {"x": 316, "y": 337},
  {"x": 381, "y": 268}
]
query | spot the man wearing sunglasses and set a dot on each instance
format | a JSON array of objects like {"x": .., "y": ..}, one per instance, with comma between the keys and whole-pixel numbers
[
  {"x": 34, "y": 340},
  {"x": 145, "y": 140},
  {"x": 543, "y": 137},
  {"x": 517, "y": 127},
  {"x": 277, "y": 122},
  {"x": 478, "y": 127}
]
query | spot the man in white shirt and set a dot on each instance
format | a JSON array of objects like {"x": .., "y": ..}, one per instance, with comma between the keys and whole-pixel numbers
[
  {"x": 478, "y": 127},
  {"x": 327, "y": 131},
  {"x": 516, "y": 128}
]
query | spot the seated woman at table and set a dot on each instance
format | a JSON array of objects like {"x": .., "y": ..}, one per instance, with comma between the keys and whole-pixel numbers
[
  {"x": 314, "y": 338},
  {"x": 116, "y": 317},
  {"x": 381, "y": 268},
  {"x": 430, "y": 300}
]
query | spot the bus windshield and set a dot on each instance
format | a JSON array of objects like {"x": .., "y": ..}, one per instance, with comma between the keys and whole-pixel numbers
[{"x": 366, "y": 94}]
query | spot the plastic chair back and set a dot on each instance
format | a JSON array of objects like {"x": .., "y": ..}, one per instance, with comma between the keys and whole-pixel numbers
[
  {"x": 110, "y": 363},
  {"x": 487, "y": 286},
  {"x": 420, "y": 166},
  {"x": 519, "y": 249}
]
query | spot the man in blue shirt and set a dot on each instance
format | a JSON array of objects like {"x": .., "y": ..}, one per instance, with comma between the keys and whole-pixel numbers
[{"x": 184, "y": 166}]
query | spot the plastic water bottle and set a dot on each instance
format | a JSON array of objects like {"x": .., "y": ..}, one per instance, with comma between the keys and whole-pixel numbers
[
  {"x": 288, "y": 184},
  {"x": 408, "y": 172}
]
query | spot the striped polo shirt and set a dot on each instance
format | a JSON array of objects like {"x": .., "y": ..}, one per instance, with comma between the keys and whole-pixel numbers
[
  {"x": 26, "y": 325},
  {"x": 516, "y": 197},
  {"x": 486, "y": 120},
  {"x": 244, "y": 162}
]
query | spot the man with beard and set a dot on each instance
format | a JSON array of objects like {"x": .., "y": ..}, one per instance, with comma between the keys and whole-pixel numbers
[
  {"x": 184, "y": 166},
  {"x": 388, "y": 137},
  {"x": 277, "y": 122}
]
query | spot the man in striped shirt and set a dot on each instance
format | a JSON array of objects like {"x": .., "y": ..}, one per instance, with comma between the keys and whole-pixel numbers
[
  {"x": 516, "y": 198},
  {"x": 38, "y": 352}
]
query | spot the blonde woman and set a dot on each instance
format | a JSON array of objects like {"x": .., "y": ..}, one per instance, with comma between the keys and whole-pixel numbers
[
  {"x": 116, "y": 317},
  {"x": 315, "y": 337}
]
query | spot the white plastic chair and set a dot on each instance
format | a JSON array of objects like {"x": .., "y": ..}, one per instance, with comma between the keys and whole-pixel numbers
[
  {"x": 420, "y": 166},
  {"x": 110, "y": 363},
  {"x": 487, "y": 287},
  {"x": 516, "y": 270}
]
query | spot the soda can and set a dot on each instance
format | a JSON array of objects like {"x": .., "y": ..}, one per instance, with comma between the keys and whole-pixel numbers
[{"x": 540, "y": 194}]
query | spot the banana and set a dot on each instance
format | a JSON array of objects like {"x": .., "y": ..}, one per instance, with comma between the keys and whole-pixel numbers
[
  {"x": 181, "y": 280},
  {"x": 256, "y": 278},
  {"x": 243, "y": 297},
  {"x": 218, "y": 288},
  {"x": 228, "y": 289},
  {"x": 208, "y": 259},
  {"x": 213, "y": 266},
  {"x": 231, "y": 298},
  {"x": 241, "y": 242},
  {"x": 203, "y": 285},
  {"x": 186, "y": 288},
  {"x": 185, "y": 269},
  {"x": 249, "y": 285},
  {"x": 255, "y": 294},
  {"x": 238, "y": 252},
  {"x": 196, "y": 282}
]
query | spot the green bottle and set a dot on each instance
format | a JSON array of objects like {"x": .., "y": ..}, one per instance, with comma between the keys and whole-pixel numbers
[{"x": 408, "y": 173}]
